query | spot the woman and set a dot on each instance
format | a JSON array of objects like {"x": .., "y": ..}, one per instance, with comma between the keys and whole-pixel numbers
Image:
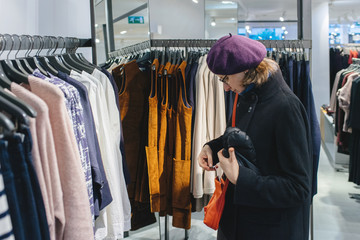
[{"x": 275, "y": 204}]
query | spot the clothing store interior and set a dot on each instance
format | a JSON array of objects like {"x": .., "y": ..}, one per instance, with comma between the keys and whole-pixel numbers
[{"x": 105, "y": 106}]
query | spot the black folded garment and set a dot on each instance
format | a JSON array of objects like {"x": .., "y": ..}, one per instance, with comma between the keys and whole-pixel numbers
[{"x": 244, "y": 149}]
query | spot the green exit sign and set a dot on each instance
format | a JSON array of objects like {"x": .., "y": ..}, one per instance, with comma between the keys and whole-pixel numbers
[{"x": 136, "y": 19}]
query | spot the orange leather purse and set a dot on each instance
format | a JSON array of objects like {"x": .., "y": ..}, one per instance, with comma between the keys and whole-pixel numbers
[{"x": 215, "y": 207}]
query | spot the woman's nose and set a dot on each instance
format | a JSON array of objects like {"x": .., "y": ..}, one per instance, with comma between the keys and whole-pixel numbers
[{"x": 226, "y": 87}]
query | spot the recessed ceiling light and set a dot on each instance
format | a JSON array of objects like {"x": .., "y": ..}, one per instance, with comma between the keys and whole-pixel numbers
[
  {"x": 281, "y": 19},
  {"x": 195, "y": 1},
  {"x": 123, "y": 32},
  {"x": 227, "y": 2}
]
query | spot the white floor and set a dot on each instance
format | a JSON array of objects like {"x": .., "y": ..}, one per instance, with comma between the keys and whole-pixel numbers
[{"x": 336, "y": 215}]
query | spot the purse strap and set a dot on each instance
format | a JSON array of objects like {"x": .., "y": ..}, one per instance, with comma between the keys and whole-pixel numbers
[{"x": 234, "y": 110}]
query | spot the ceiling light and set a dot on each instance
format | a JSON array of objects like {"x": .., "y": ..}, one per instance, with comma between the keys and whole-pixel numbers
[
  {"x": 96, "y": 25},
  {"x": 123, "y": 32},
  {"x": 247, "y": 27},
  {"x": 352, "y": 26},
  {"x": 281, "y": 19},
  {"x": 97, "y": 40},
  {"x": 213, "y": 23},
  {"x": 283, "y": 28},
  {"x": 286, "y": 32},
  {"x": 195, "y": 1},
  {"x": 336, "y": 29},
  {"x": 232, "y": 19},
  {"x": 227, "y": 2}
]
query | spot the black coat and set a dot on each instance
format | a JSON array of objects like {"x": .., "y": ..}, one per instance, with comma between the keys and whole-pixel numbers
[{"x": 274, "y": 205}]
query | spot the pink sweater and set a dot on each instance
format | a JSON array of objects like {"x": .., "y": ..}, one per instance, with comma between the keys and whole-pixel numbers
[
  {"x": 45, "y": 145},
  {"x": 78, "y": 221}
]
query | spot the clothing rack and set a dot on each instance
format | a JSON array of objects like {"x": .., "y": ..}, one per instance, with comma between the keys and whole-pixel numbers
[
  {"x": 203, "y": 43},
  {"x": 27, "y": 42}
]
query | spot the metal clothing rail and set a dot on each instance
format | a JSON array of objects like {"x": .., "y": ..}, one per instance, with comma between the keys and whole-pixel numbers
[
  {"x": 345, "y": 45},
  {"x": 203, "y": 43},
  {"x": 26, "y": 42}
]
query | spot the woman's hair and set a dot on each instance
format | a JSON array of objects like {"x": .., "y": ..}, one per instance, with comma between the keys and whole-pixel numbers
[{"x": 260, "y": 74}]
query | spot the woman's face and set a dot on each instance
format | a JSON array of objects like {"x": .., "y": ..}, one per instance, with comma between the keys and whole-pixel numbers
[{"x": 233, "y": 82}]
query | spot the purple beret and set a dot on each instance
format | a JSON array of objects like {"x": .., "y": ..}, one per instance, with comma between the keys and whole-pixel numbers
[{"x": 233, "y": 54}]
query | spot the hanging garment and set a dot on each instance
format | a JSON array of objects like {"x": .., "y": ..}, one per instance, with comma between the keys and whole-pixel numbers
[
  {"x": 76, "y": 116},
  {"x": 133, "y": 92},
  {"x": 38, "y": 199},
  {"x": 6, "y": 229},
  {"x": 49, "y": 165},
  {"x": 77, "y": 209},
  {"x": 344, "y": 97},
  {"x": 10, "y": 191},
  {"x": 36, "y": 162},
  {"x": 115, "y": 126},
  {"x": 112, "y": 220},
  {"x": 152, "y": 145},
  {"x": 354, "y": 123},
  {"x": 122, "y": 147},
  {"x": 162, "y": 127},
  {"x": 23, "y": 187},
  {"x": 182, "y": 162},
  {"x": 101, "y": 190},
  {"x": 307, "y": 100},
  {"x": 170, "y": 139}
]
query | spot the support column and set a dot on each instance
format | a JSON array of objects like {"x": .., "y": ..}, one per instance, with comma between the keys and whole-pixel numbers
[
  {"x": 320, "y": 75},
  {"x": 109, "y": 25}
]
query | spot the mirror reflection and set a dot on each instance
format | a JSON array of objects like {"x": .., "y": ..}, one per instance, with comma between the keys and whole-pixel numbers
[
  {"x": 256, "y": 19},
  {"x": 130, "y": 21}
]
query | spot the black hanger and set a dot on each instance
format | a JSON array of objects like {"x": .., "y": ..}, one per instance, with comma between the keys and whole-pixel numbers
[
  {"x": 6, "y": 123},
  {"x": 13, "y": 110},
  {"x": 56, "y": 63},
  {"x": 18, "y": 102},
  {"x": 9, "y": 70},
  {"x": 4, "y": 80},
  {"x": 33, "y": 62},
  {"x": 23, "y": 60},
  {"x": 44, "y": 63},
  {"x": 16, "y": 62}
]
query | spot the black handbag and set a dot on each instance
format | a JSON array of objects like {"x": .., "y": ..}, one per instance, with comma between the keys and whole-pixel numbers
[{"x": 244, "y": 149}]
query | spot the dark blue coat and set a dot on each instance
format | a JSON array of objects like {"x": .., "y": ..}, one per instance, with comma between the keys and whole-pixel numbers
[{"x": 276, "y": 204}]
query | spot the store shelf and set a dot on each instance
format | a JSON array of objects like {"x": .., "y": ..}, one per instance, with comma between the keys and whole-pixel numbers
[{"x": 339, "y": 161}]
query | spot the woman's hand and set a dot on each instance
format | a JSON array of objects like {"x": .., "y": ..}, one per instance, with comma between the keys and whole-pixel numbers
[
  {"x": 205, "y": 158},
  {"x": 229, "y": 165}
]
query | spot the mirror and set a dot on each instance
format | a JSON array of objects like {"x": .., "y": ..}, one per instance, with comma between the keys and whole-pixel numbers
[
  {"x": 344, "y": 22},
  {"x": 257, "y": 19},
  {"x": 130, "y": 21}
]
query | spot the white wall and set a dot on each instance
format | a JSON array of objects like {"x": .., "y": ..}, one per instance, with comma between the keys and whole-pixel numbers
[
  {"x": 67, "y": 18},
  {"x": 178, "y": 19},
  {"x": 320, "y": 53}
]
